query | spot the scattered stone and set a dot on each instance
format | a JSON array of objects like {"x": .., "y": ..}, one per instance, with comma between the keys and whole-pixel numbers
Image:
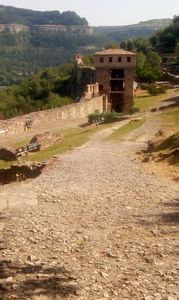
[
  {"x": 16, "y": 287},
  {"x": 103, "y": 274},
  {"x": 149, "y": 298},
  {"x": 103, "y": 229},
  {"x": 9, "y": 280},
  {"x": 46, "y": 139}
]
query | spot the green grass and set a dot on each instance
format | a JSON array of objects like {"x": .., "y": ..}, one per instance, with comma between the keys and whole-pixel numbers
[
  {"x": 5, "y": 164},
  {"x": 20, "y": 143},
  {"x": 120, "y": 133},
  {"x": 15, "y": 145},
  {"x": 147, "y": 102},
  {"x": 72, "y": 138}
]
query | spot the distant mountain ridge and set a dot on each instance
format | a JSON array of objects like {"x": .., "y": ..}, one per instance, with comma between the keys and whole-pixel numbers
[
  {"x": 14, "y": 15},
  {"x": 31, "y": 40},
  {"x": 143, "y": 28}
]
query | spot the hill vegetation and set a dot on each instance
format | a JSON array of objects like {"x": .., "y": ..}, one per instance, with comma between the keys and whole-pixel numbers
[
  {"x": 142, "y": 29},
  {"x": 23, "y": 54},
  {"x": 150, "y": 49},
  {"x": 166, "y": 40},
  {"x": 49, "y": 88},
  {"x": 9, "y": 14}
]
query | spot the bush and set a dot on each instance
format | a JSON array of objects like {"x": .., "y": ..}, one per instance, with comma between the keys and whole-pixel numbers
[
  {"x": 106, "y": 117},
  {"x": 145, "y": 86},
  {"x": 134, "y": 110},
  {"x": 153, "y": 89}
]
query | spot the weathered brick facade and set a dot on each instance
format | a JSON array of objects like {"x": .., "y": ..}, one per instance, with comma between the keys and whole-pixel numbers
[{"x": 115, "y": 70}]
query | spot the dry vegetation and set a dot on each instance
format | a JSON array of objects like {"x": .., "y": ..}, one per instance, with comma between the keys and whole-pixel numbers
[{"x": 145, "y": 102}]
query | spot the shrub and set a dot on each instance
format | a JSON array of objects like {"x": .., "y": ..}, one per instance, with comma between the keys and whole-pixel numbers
[
  {"x": 153, "y": 89},
  {"x": 134, "y": 110},
  {"x": 106, "y": 117},
  {"x": 145, "y": 86}
]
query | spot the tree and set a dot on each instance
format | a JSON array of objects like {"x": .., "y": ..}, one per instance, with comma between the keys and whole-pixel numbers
[
  {"x": 142, "y": 45},
  {"x": 130, "y": 45},
  {"x": 166, "y": 40},
  {"x": 112, "y": 46},
  {"x": 123, "y": 45},
  {"x": 148, "y": 67},
  {"x": 141, "y": 59}
]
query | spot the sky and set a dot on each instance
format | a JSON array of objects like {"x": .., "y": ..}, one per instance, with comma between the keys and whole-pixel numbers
[{"x": 106, "y": 12}]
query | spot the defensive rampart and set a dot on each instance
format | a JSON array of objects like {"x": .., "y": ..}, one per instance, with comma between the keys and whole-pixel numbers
[{"x": 74, "y": 111}]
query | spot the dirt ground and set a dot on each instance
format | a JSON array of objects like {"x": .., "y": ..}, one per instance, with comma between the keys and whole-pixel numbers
[{"x": 104, "y": 227}]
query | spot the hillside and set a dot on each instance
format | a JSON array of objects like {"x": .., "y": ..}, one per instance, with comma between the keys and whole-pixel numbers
[
  {"x": 29, "y": 38},
  {"x": 166, "y": 41},
  {"x": 9, "y": 14},
  {"x": 144, "y": 29}
]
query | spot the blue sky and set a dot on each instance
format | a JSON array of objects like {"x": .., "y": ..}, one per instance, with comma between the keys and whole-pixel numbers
[{"x": 106, "y": 12}]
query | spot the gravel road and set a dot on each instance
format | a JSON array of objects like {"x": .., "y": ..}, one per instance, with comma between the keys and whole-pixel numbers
[{"x": 104, "y": 228}]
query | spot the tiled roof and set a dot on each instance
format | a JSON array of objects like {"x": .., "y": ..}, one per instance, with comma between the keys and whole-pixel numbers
[{"x": 115, "y": 52}]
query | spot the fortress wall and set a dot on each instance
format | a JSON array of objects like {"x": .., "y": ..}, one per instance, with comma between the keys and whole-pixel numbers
[{"x": 69, "y": 112}]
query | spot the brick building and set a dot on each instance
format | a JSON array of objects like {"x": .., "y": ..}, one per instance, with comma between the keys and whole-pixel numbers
[{"x": 115, "y": 70}]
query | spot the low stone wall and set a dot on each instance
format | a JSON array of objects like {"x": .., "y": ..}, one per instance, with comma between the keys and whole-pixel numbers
[
  {"x": 172, "y": 78},
  {"x": 21, "y": 172},
  {"x": 69, "y": 112}
]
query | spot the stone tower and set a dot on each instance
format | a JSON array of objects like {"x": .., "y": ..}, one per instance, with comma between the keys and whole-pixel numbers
[{"x": 115, "y": 70}]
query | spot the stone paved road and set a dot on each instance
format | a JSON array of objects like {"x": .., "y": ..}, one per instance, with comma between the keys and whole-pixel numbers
[{"x": 104, "y": 228}]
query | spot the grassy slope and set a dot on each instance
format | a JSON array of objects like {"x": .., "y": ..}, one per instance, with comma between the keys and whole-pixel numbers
[
  {"x": 145, "y": 102},
  {"x": 120, "y": 133},
  {"x": 170, "y": 118},
  {"x": 170, "y": 122},
  {"x": 72, "y": 138}
]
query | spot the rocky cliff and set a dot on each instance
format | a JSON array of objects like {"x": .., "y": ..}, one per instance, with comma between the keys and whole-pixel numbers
[{"x": 16, "y": 28}]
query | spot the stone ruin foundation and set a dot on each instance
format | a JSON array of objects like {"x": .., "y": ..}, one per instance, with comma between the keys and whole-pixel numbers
[
  {"x": 21, "y": 171},
  {"x": 46, "y": 139}
]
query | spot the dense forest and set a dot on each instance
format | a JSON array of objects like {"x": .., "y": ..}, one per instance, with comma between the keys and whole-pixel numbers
[
  {"x": 26, "y": 52},
  {"x": 48, "y": 88},
  {"x": 13, "y": 15},
  {"x": 165, "y": 41},
  {"x": 23, "y": 54}
]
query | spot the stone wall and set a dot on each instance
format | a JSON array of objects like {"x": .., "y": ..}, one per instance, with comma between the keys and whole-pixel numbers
[
  {"x": 123, "y": 63},
  {"x": 172, "y": 78},
  {"x": 129, "y": 89},
  {"x": 115, "y": 70},
  {"x": 69, "y": 112},
  {"x": 103, "y": 78},
  {"x": 81, "y": 77}
]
